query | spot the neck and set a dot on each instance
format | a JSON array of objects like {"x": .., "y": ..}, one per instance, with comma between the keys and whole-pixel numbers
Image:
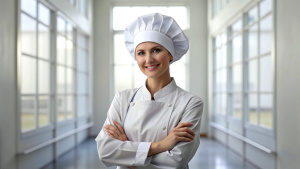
[{"x": 154, "y": 84}]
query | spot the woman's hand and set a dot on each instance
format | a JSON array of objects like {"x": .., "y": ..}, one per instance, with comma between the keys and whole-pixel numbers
[
  {"x": 116, "y": 131},
  {"x": 179, "y": 133}
]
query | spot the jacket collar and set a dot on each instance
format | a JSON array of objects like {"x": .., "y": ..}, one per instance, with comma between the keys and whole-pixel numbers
[{"x": 161, "y": 93}]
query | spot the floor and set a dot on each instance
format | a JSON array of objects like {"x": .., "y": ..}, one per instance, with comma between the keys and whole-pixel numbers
[{"x": 210, "y": 155}]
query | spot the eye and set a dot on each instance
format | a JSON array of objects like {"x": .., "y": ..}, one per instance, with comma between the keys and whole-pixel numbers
[
  {"x": 140, "y": 53},
  {"x": 156, "y": 50}
]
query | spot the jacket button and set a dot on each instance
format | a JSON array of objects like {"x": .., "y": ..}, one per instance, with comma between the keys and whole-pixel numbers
[
  {"x": 169, "y": 105},
  {"x": 132, "y": 104},
  {"x": 163, "y": 127}
]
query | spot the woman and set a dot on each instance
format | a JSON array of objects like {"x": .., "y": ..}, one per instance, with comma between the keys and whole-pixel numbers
[{"x": 158, "y": 124}]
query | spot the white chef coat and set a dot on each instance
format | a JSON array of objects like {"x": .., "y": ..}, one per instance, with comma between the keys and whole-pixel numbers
[{"x": 150, "y": 121}]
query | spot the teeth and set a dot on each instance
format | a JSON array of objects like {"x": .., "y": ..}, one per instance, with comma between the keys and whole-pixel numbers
[{"x": 151, "y": 66}]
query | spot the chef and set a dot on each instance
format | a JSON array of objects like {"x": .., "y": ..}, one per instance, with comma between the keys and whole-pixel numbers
[{"x": 156, "y": 125}]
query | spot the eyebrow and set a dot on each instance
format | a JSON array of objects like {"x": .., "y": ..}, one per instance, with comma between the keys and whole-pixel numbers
[{"x": 158, "y": 46}]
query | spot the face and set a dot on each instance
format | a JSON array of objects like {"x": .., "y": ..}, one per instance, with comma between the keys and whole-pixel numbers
[{"x": 153, "y": 60}]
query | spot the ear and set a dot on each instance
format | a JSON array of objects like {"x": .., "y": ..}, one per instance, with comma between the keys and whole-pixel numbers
[{"x": 171, "y": 57}]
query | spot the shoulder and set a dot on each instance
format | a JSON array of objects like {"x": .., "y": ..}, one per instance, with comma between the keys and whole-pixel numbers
[
  {"x": 192, "y": 98},
  {"x": 125, "y": 95},
  {"x": 127, "y": 92}
]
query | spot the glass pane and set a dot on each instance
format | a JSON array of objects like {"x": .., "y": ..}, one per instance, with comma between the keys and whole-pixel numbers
[
  {"x": 81, "y": 83},
  {"x": 81, "y": 105},
  {"x": 44, "y": 14},
  {"x": 237, "y": 26},
  {"x": 82, "y": 41},
  {"x": 224, "y": 80},
  {"x": 44, "y": 111},
  {"x": 60, "y": 79},
  {"x": 223, "y": 104},
  {"x": 265, "y": 7},
  {"x": 218, "y": 41},
  {"x": 70, "y": 107},
  {"x": 252, "y": 15},
  {"x": 70, "y": 31},
  {"x": 61, "y": 108},
  {"x": 237, "y": 49},
  {"x": 224, "y": 56},
  {"x": 253, "y": 109},
  {"x": 237, "y": 78},
  {"x": 70, "y": 57},
  {"x": 28, "y": 75},
  {"x": 266, "y": 74},
  {"x": 221, "y": 80},
  {"x": 44, "y": 77},
  {"x": 224, "y": 38},
  {"x": 218, "y": 58},
  {"x": 82, "y": 4},
  {"x": 70, "y": 80},
  {"x": 28, "y": 108},
  {"x": 81, "y": 60},
  {"x": 266, "y": 35},
  {"x": 61, "y": 50},
  {"x": 28, "y": 33},
  {"x": 29, "y": 6},
  {"x": 121, "y": 55},
  {"x": 252, "y": 41},
  {"x": 252, "y": 76},
  {"x": 123, "y": 77},
  {"x": 218, "y": 104},
  {"x": 266, "y": 110},
  {"x": 44, "y": 42},
  {"x": 61, "y": 26},
  {"x": 237, "y": 106}
]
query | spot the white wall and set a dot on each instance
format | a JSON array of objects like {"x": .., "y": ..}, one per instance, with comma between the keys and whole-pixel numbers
[
  {"x": 8, "y": 99},
  {"x": 288, "y": 83},
  {"x": 198, "y": 55},
  {"x": 102, "y": 54}
]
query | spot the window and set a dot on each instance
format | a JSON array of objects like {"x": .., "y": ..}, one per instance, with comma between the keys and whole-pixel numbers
[
  {"x": 235, "y": 93},
  {"x": 53, "y": 79},
  {"x": 81, "y": 6},
  {"x": 259, "y": 64},
  {"x": 126, "y": 71},
  {"x": 243, "y": 68},
  {"x": 218, "y": 5},
  {"x": 82, "y": 74},
  {"x": 65, "y": 70},
  {"x": 220, "y": 74},
  {"x": 35, "y": 65}
]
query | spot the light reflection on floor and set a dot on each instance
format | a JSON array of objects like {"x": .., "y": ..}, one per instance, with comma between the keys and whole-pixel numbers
[{"x": 210, "y": 155}]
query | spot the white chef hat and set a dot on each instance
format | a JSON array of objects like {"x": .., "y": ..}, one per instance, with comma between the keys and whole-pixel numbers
[{"x": 157, "y": 28}]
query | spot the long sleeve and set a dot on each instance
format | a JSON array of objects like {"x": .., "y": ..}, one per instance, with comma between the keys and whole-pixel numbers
[
  {"x": 183, "y": 152},
  {"x": 122, "y": 153}
]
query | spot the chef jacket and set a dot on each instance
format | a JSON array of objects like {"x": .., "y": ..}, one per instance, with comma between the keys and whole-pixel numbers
[{"x": 145, "y": 121}]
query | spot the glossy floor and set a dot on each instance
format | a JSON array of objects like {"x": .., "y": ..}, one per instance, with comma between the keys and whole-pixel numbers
[{"x": 210, "y": 155}]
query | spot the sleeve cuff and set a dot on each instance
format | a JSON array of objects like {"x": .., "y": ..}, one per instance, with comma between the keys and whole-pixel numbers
[{"x": 141, "y": 158}]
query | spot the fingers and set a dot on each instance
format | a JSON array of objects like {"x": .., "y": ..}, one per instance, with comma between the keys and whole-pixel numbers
[
  {"x": 185, "y": 134},
  {"x": 187, "y": 124},
  {"x": 119, "y": 127},
  {"x": 116, "y": 131},
  {"x": 111, "y": 131},
  {"x": 187, "y": 130}
]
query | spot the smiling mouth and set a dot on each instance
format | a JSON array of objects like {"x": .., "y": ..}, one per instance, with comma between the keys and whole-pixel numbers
[{"x": 152, "y": 67}]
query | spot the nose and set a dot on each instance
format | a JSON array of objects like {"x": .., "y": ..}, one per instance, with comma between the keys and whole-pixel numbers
[{"x": 149, "y": 58}]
